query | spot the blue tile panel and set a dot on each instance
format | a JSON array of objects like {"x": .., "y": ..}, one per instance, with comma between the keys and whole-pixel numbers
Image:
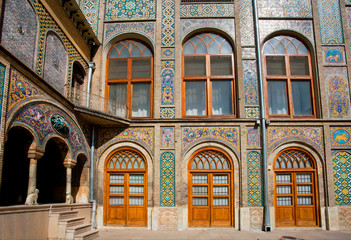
[
  {"x": 167, "y": 179},
  {"x": 285, "y": 8},
  {"x": 342, "y": 177},
  {"x": 254, "y": 179},
  {"x": 130, "y": 10},
  {"x": 207, "y": 10},
  {"x": 90, "y": 9},
  {"x": 2, "y": 84},
  {"x": 168, "y": 25}
]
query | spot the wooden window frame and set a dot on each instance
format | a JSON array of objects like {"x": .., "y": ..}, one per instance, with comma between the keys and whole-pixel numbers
[
  {"x": 130, "y": 81},
  {"x": 288, "y": 78}
]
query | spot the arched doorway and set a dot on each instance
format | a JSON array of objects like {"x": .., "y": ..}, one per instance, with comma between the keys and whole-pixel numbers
[
  {"x": 210, "y": 189},
  {"x": 125, "y": 188},
  {"x": 295, "y": 189}
]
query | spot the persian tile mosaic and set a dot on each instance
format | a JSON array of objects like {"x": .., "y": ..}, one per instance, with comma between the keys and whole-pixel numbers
[
  {"x": 246, "y": 23},
  {"x": 342, "y": 177},
  {"x": 207, "y": 10},
  {"x": 146, "y": 29},
  {"x": 304, "y": 27},
  {"x": 167, "y": 53},
  {"x": 20, "y": 90},
  {"x": 167, "y": 179},
  {"x": 348, "y": 2},
  {"x": 307, "y": 135},
  {"x": 167, "y": 90},
  {"x": 168, "y": 25},
  {"x": 285, "y": 8},
  {"x": 189, "y": 25},
  {"x": 167, "y": 112},
  {"x": 338, "y": 94},
  {"x": 248, "y": 53},
  {"x": 167, "y": 137},
  {"x": 254, "y": 182},
  {"x": 340, "y": 136},
  {"x": 130, "y": 10},
  {"x": 2, "y": 84},
  {"x": 90, "y": 9},
  {"x": 333, "y": 55},
  {"x": 253, "y": 137},
  {"x": 330, "y": 23},
  {"x": 39, "y": 117},
  {"x": 144, "y": 136},
  {"x": 252, "y": 112},
  {"x": 348, "y": 12},
  {"x": 250, "y": 82},
  {"x": 194, "y": 135}
]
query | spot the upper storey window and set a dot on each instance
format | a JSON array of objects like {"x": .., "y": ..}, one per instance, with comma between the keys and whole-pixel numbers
[
  {"x": 288, "y": 78},
  {"x": 208, "y": 76},
  {"x": 129, "y": 77}
]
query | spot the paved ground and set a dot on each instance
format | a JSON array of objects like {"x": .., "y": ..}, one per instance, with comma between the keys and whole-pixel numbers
[{"x": 209, "y": 234}]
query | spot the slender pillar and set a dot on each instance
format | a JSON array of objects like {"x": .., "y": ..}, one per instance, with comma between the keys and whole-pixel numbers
[{"x": 69, "y": 164}]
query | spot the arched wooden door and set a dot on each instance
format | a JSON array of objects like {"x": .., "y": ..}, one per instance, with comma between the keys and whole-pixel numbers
[
  {"x": 210, "y": 189},
  {"x": 125, "y": 189},
  {"x": 295, "y": 191}
]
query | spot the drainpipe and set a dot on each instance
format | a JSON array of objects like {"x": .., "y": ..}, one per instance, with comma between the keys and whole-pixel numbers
[
  {"x": 267, "y": 221},
  {"x": 90, "y": 76},
  {"x": 92, "y": 167}
]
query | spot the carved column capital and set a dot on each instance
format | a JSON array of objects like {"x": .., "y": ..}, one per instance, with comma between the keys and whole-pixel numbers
[
  {"x": 35, "y": 152},
  {"x": 69, "y": 163}
]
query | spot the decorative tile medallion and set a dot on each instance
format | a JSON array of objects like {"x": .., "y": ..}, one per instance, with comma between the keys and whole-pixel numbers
[
  {"x": 338, "y": 94},
  {"x": 246, "y": 23},
  {"x": 167, "y": 179},
  {"x": 340, "y": 136},
  {"x": 167, "y": 137},
  {"x": 253, "y": 137},
  {"x": 2, "y": 85},
  {"x": 254, "y": 182},
  {"x": 90, "y": 9},
  {"x": 250, "y": 82},
  {"x": 189, "y": 25},
  {"x": 167, "y": 112},
  {"x": 168, "y": 25},
  {"x": 248, "y": 53},
  {"x": 167, "y": 91},
  {"x": 194, "y": 135},
  {"x": 146, "y": 29},
  {"x": 342, "y": 177},
  {"x": 307, "y": 135},
  {"x": 330, "y": 23},
  {"x": 285, "y": 8},
  {"x": 252, "y": 112},
  {"x": 333, "y": 55},
  {"x": 207, "y": 10},
  {"x": 167, "y": 53},
  {"x": 117, "y": 10}
]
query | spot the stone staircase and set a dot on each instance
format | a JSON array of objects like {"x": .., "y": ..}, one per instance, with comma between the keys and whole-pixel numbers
[{"x": 64, "y": 223}]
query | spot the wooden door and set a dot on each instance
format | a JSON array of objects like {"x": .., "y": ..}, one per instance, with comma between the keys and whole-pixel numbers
[
  {"x": 210, "y": 191},
  {"x": 296, "y": 201},
  {"x": 125, "y": 189}
]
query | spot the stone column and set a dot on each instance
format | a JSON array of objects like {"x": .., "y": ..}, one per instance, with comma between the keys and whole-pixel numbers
[
  {"x": 34, "y": 153},
  {"x": 69, "y": 164}
]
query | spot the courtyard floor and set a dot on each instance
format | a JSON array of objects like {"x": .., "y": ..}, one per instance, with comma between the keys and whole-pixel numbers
[{"x": 225, "y": 234}]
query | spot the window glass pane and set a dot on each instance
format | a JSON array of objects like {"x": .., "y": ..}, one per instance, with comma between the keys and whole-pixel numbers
[
  {"x": 222, "y": 98},
  {"x": 117, "y": 69},
  {"x": 284, "y": 201},
  {"x": 199, "y": 179},
  {"x": 275, "y": 65},
  {"x": 304, "y": 189},
  {"x": 111, "y": 165},
  {"x": 200, "y": 201},
  {"x": 136, "y": 201},
  {"x": 220, "y": 190},
  {"x": 277, "y": 101},
  {"x": 141, "y": 68},
  {"x": 303, "y": 178},
  {"x": 194, "y": 66},
  {"x": 283, "y": 189},
  {"x": 220, "y": 179},
  {"x": 213, "y": 48},
  {"x": 283, "y": 178},
  {"x": 136, "y": 189},
  {"x": 113, "y": 53},
  {"x": 200, "y": 190},
  {"x": 301, "y": 95},
  {"x": 223, "y": 201},
  {"x": 195, "y": 98},
  {"x": 117, "y": 96},
  {"x": 305, "y": 200},
  {"x": 147, "y": 52},
  {"x": 141, "y": 100},
  {"x": 268, "y": 49},
  {"x": 299, "y": 65},
  {"x": 116, "y": 189},
  {"x": 226, "y": 48},
  {"x": 116, "y": 200},
  {"x": 221, "y": 65},
  {"x": 117, "y": 178},
  {"x": 201, "y": 48},
  {"x": 136, "y": 178},
  {"x": 188, "y": 48}
]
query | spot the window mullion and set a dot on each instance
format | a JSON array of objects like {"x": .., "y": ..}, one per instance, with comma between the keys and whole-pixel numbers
[{"x": 288, "y": 85}]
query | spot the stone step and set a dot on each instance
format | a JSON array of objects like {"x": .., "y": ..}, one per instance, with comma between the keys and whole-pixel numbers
[
  {"x": 70, "y": 222},
  {"x": 92, "y": 234},
  {"x": 60, "y": 209},
  {"x": 76, "y": 230},
  {"x": 67, "y": 214}
]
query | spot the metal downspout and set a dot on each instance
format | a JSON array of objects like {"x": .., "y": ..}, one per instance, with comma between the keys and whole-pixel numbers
[
  {"x": 92, "y": 169},
  {"x": 90, "y": 76},
  {"x": 267, "y": 221}
]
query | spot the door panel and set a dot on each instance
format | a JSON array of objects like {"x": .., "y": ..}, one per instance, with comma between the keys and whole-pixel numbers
[{"x": 285, "y": 216}]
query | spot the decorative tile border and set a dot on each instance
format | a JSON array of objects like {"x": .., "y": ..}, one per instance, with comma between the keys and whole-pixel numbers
[
  {"x": 117, "y": 10},
  {"x": 167, "y": 137},
  {"x": 168, "y": 53},
  {"x": 167, "y": 179},
  {"x": 167, "y": 83},
  {"x": 246, "y": 23},
  {"x": 340, "y": 136},
  {"x": 194, "y": 135},
  {"x": 167, "y": 112},
  {"x": 285, "y": 8},
  {"x": 250, "y": 82},
  {"x": 254, "y": 179},
  {"x": 207, "y": 10},
  {"x": 253, "y": 137},
  {"x": 90, "y": 9},
  {"x": 2, "y": 85},
  {"x": 342, "y": 181},
  {"x": 334, "y": 55},
  {"x": 168, "y": 24}
]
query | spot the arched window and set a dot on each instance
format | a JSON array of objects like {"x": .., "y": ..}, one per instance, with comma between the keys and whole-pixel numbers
[
  {"x": 126, "y": 189},
  {"x": 129, "y": 78},
  {"x": 295, "y": 193},
  {"x": 210, "y": 189},
  {"x": 288, "y": 78},
  {"x": 208, "y": 76}
]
